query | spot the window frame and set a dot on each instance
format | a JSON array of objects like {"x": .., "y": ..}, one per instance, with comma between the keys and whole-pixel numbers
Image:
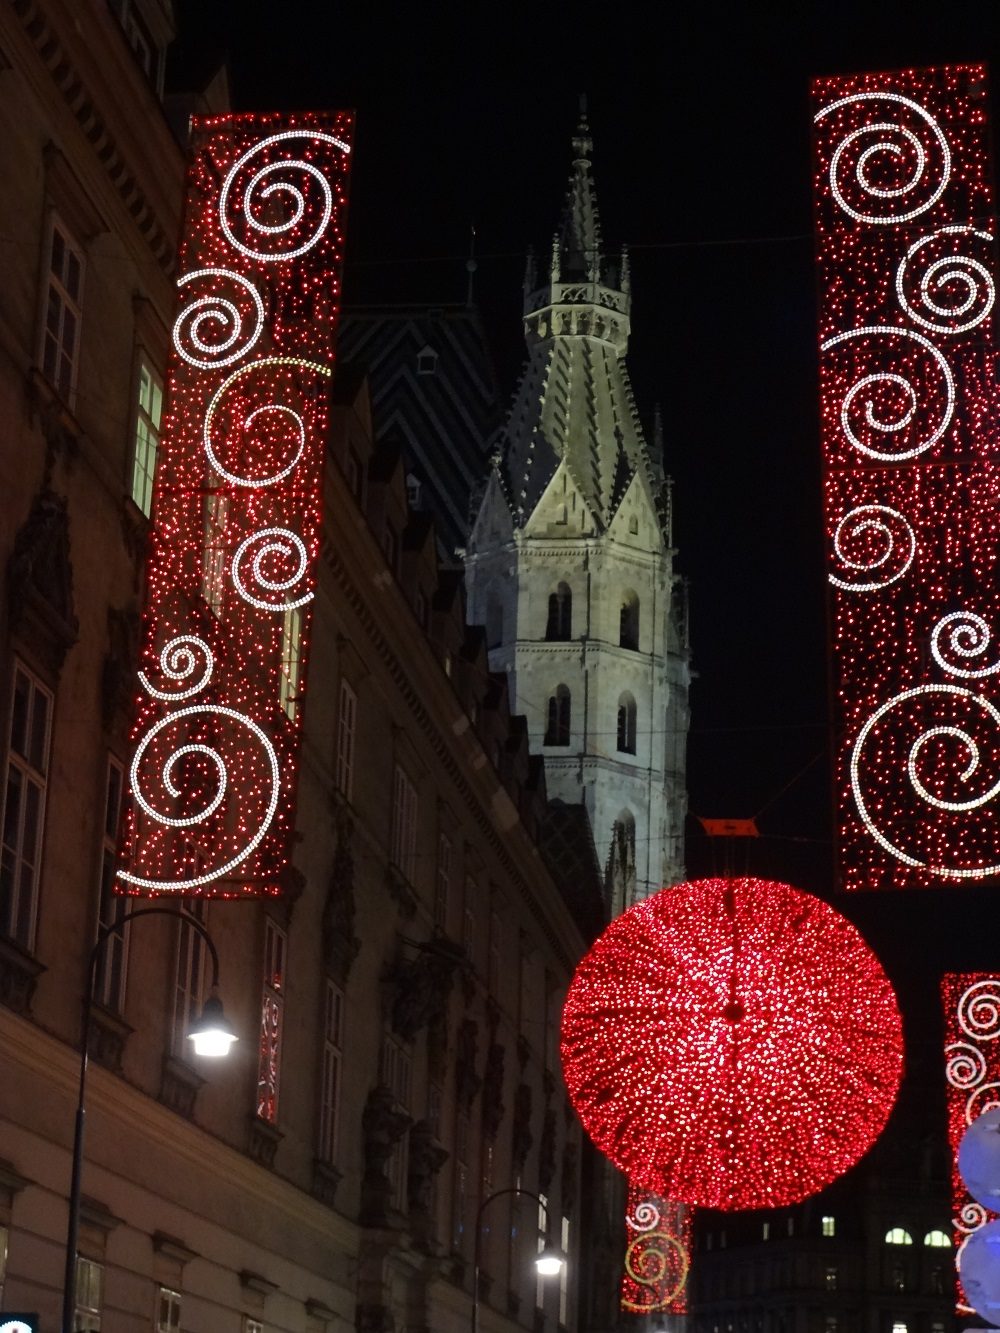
[
  {"x": 347, "y": 725},
  {"x": 331, "y": 1071},
  {"x": 174, "y": 1300},
  {"x": 405, "y": 817},
  {"x": 12, "y": 924},
  {"x": 65, "y": 299},
  {"x": 146, "y": 434},
  {"x": 290, "y": 679},
  {"x": 191, "y": 959}
]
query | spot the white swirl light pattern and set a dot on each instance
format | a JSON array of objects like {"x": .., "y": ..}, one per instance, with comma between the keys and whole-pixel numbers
[
  {"x": 895, "y": 536},
  {"x": 956, "y": 733},
  {"x": 276, "y": 542},
  {"x": 978, "y": 1010},
  {"x": 179, "y": 661},
  {"x": 904, "y": 142},
  {"x": 972, "y": 278},
  {"x": 968, "y": 635},
  {"x": 886, "y": 377},
  {"x": 965, "y": 1064},
  {"x": 971, "y": 1218},
  {"x": 218, "y": 872},
  {"x": 239, "y": 479},
  {"x": 646, "y": 1217},
  {"x": 214, "y": 311},
  {"x": 272, "y": 181}
]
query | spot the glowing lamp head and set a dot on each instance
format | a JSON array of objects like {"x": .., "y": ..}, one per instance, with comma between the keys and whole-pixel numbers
[
  {"x": 212, "y": 1034},
  {"x": 549, "y": 1262}
]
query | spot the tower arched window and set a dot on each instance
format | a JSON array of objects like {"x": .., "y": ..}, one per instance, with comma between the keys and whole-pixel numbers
[
  {"x": 898, "y": 1236},
  {"x": 494, "y": 619},
  {"x": 559, "y": 626},
  {"x": 626, "y": 723},
  {"x": 938, "y": 1239},
  {"x": 557, "y": 731},
  {"x": 628, "y": 622}
]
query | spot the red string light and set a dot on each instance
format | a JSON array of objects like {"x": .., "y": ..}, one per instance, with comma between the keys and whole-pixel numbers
[
  {"x": 658, "y": 1236},
  {"x": 237, "y": 508},
  {"x": 905, "y": 249},
  {"x": 971, "y": 1002},
  {"x": 732, "y": 1044}
]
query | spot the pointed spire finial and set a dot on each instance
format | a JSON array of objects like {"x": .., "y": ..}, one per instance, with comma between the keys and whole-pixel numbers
[
  {"x": 583, "y": 145},
  {"x": 658, "y": 434},
  {"x": 554, "y": 274},
  {"x": 530, "y": 271},
  {"x": 626, "y": 271}
]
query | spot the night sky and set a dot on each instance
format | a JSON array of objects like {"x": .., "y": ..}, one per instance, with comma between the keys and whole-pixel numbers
[{"x": 700, "y": 119}]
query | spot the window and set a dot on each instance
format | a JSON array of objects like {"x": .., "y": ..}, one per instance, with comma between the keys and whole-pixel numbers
[
  {"x": 564, "y": 1274},
  {"x": 460, "y": 1200},
  {"x": 557, "y": 731},
  {"x": 830, "y": 1278},
  {"x": 189, "y": 978},
  {"x": 897, "y": 1279},
  {"x": 830, "y": 1324},
  {"x": 938, "y": 1240},
  {"x": 147, "y": 436},
  {"x": 396, "y": 1077},
  {"x": 355, "y": 474},
  {"x": 899, "y": 1327},
  {"x": 403, "y": 847},
  {"x": 141, "y": 41},
  {"x": 413, "y": 490},
  {"x": 542, "y": 1241},
  {"x": 897, "y": 1236},
  {"x": 628, "y": 626},
  {"x": 333, "y": 1058},
  {"x": 346, "y": 724},
  {"x": 494, "y": 621},
  {"x": 24, "y": 806},
  {"x": 442, "y": 883},
  {"x": 109, "y": 989},
  {"x": 828, "y": 1226},
  {"x": 427, "y": 360},
  {"x": 213, "y": 560},
  {"x": 291, "y": 662},
  {"x": 271, "y": 1023},
  {"x": 89, "y": 1280},
  {"x": 626, "y": 724},
  {"x": 559, "y": 626},
  {"x": 765, "y": 1231},
  {"x": 791, "y": 1226},
  {"x": 63, "y": 294},
  {"x": 937, "y": 1280},
  {"x": 168, "y": 1311}
]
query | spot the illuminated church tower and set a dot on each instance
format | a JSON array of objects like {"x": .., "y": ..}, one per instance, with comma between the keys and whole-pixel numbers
[{"x": 569, "y": 563}]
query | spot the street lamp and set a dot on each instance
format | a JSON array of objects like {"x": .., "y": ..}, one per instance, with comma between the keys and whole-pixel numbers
[
  {"x": 548, "y": 1262},
  {"x": 210, "y": 1035}
]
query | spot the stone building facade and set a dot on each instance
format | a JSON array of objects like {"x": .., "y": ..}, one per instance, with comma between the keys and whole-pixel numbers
[{"x": 398, "y": 1009}]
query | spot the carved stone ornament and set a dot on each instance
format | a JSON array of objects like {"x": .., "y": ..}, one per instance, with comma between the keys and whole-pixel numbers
[
  {"x": 493, "y": 1107},
  {"x": 340, "y": 944},
  {"x": 521, "y": 1136},
  {"x": 467, "y": 1081},
  {"x": 383, "y": 1124},
  {"x": 40, "y": 582},
  {"x": 421, "y": 987},
  {"x": 426, "y": 1159}
]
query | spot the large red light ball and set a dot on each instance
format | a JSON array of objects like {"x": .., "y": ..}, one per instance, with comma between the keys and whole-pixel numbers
[{"x": 732, "y": 1044}]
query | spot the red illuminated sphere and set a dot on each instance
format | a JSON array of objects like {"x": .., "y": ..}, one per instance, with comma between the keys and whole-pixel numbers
[{"x": 732, "y": 1044}]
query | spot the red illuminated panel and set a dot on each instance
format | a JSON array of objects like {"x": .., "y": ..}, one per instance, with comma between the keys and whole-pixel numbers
[
  {"x": 972, "y": 1066},
  {"x": 905, "y": 244},
  {"x": 657, "y": 1255},
  {"x": 237, "y": 508}
]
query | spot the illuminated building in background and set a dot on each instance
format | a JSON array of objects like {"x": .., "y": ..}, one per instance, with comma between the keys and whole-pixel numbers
[{"x": 906, "y": 259}]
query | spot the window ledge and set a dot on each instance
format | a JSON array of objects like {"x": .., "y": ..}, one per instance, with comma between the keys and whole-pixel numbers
[
  {"x": 19, "y": 973},
  {"x": 107, "y": 1037}
]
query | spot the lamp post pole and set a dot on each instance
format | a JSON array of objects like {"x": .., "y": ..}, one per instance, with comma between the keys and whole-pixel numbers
[
  {"x": 476, "y": 1245},
  {"x": 73, "y": 1224}
]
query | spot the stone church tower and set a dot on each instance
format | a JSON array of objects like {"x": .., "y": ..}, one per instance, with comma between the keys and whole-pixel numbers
[{"x": 569, "y": 563}]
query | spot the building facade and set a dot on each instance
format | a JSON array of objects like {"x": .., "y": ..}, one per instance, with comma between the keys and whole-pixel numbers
[
  {"x": 569, "y": 563},
  {"x": 398, "y": 1008}
]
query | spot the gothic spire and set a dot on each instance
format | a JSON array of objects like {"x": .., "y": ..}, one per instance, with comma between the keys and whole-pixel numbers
[{"x": 580, "y": 234}]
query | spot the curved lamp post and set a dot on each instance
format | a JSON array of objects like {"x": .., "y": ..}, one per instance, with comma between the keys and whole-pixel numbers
[
  {"x": 210, "y": 1035},
  {"x": 548, "y": 1262}
]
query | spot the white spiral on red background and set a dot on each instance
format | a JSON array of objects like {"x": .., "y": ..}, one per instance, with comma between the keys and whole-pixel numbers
[
  {"x": 874, "y": 545},
  {"x": 179, "y": 662},
  {"x": 945, "y": 291},
  {"x": 267, "y": 566},
  {"x": 221, "y": 326},
  {"x": 966, "y": 636}
]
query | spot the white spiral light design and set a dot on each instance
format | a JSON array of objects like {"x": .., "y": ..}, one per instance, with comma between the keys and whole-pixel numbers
[
  {"x": 971, "y": 1218},
  {"x": 904, "y": 141},
  {"x": 185, "y": 885},
  {"x": 967, "y": 635},
  {"x": 179, "y": 661},
  {"x": 241, "y": 479},
  {"x": 646, "y": 1217},
  {"x": 976, "y": 1106},
  {"x": 287, "y": 546},
  {"x": 273, "y": 180},
  {"x": 965, "y": 1064},
  {"x": 977, "y": 290},
  {"x": 888, "y": 377},
  {"x": 919, "y": 787},
  {"x": 896, "y": 538},
  {"x": 215, "y": 310},
  {"x": 979, "y": 1010}
]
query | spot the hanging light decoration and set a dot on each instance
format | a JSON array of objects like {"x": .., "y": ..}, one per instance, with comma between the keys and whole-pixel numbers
[{"x": 732, "y": 1044}]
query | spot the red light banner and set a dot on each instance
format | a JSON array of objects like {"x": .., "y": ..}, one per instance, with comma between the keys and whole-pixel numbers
[
  {"x": 905, "y": 252},
  {"x": 971, "y": 1003},
  {"x": 658, "y": 1238},
  {"x": 237, "y": 505}
]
